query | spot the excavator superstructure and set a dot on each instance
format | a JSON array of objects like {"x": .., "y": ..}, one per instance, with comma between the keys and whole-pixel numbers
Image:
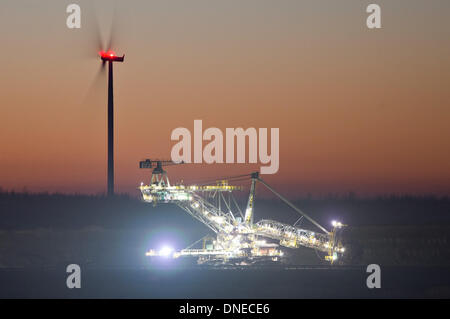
[{"x": 238, "y": 239}]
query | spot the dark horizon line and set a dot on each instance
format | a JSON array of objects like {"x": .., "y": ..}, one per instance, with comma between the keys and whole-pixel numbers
[{"x": 324, "y": 196}]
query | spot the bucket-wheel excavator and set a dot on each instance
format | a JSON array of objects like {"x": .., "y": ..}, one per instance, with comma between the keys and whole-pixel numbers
[{"x": 239, "y": 240}]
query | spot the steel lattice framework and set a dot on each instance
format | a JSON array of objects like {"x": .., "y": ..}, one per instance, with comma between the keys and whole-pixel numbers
[{"x": 238, "y": 238}]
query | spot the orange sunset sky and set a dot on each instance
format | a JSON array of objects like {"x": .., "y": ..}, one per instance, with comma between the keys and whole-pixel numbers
[{"x": 358, "y": 110}]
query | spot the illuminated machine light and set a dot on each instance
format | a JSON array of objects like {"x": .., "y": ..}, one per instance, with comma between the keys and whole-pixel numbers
[
  {"x": 236, "y": 239},
  {"x": 218, "y": 219},
  {"x": 336, "y": 224},
  {"x": 165, "y": 251},
  {"x": 195, "y": 205},
  {"x": 151, "y": 253}
]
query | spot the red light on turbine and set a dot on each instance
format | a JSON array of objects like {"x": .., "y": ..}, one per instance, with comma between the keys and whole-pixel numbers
[{"x": 108, "y": 54}]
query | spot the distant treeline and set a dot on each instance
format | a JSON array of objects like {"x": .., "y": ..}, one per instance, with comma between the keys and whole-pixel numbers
[
  {"x": 46, "y": 229},
  {"x": 28, "y": 210}
]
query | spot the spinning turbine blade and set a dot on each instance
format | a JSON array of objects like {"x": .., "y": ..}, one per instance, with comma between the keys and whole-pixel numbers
[
  {"x": 111, "y": 41},
  {"x": 97, "y": 84}
]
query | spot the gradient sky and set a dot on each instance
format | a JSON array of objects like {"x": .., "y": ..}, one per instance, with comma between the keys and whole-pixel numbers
[{"x": 358, "y": 110}]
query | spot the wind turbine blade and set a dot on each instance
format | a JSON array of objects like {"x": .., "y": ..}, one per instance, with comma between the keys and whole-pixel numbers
[
  {"x": 97, "y": 84},
  {"x": 97, "y": 34},
  {"x": 91, "y": 26},
  {"x": 112, "y": 32}
]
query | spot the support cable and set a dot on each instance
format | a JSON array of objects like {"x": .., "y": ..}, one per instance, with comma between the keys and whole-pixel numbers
[{"x": 293, "y": 206}]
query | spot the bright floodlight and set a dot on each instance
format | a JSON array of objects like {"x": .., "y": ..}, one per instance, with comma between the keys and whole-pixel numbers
[
  {"x": 336, "y": 224},
  {"x": 165, "y": 251}
]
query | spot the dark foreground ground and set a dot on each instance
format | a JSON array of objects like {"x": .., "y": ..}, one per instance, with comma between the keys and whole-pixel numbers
[
  {"x": 41, "y": 234},
  {"x": 295, "y": 282}
]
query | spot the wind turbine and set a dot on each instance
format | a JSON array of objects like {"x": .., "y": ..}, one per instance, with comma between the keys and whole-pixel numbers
[{"x": 110, "y": 57}]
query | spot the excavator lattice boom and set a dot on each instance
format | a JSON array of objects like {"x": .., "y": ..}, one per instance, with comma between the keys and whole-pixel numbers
[{"x": 238, "y": 238}]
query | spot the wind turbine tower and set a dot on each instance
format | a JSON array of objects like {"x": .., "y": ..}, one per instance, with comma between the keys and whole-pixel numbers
[{"x": 110, "y": 57}]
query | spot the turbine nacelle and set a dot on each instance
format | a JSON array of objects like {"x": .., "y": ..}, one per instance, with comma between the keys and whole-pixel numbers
[{"x": 110, "y": 56}]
